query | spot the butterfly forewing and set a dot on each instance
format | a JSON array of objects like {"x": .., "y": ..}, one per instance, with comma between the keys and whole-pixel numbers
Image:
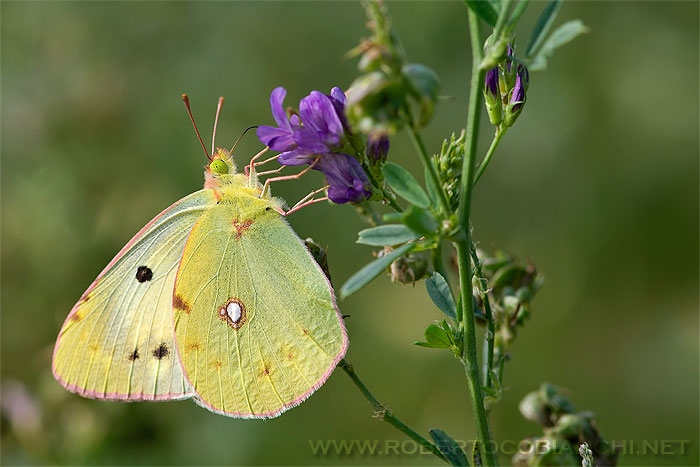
[
  {"x": 257, "y": 327},
  {"x": 117, "y": 342}
]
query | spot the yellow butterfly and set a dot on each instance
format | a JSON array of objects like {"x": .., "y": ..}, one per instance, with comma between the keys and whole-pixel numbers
[{"x": 215, "y": 299}]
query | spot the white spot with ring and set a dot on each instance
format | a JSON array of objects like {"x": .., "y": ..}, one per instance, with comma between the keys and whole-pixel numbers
[{"x": 233, "y": 310}]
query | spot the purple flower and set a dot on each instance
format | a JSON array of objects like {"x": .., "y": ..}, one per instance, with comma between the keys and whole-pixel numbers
[
  {"x": 319, "y": 131},
  {"x": 522, "y": 70},
  {"x": 509, "y": 53},
  {"x": 491, "y": 85},
  {"x": 377, "y": 147},
  {"x": 281, "y": 138},
  {"x": 348, "y": 182},
  {"x": 338, "y": 100},
  {"x": 518, "y": 96}
]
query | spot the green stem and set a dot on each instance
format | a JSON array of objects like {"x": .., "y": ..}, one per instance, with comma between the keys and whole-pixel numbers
[
  {"x": 500, "y": 131},
  {"x": 501, "y": 21},
  {"x": 383, "y": 413},
  {"x": 463, "y": 245},
  {"x": 392, "y": 202},
  {"x": 429, "y": 168},
  {"x": 490, "y": 326}
]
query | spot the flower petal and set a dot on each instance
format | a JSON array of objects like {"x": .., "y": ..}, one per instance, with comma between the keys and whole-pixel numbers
[
  {"x": 338, "y": 100},
  {"x": 338, "y": 94},
  {"x": 310, "y": 141},
  {"x": 348, "y": 182},
  {"x": 318, "y": 113},
  {"x": 276, "y": 99},
  {"x": 296, "y": 156},
  {"x": 278, "y": 139}
]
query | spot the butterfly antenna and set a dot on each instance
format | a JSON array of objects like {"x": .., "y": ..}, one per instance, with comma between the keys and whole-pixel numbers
[
  {"x": 216, "y": 121},
  {"x": 186, "y": 100},
  {"x": 241, "y": 137}
]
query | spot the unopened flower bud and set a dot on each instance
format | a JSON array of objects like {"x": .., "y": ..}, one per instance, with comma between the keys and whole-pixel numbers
[
  {"x": 424, "y": 86},
  {"x": 408, "y": 269},
  {"x": 534, "y": 408},
  {"x": 517, "y": 98},
  {"x": 509, "y": 72},
  {"x": 377, "y": 148},
  {"x": 374, "y": 103},
  {"x": 522, "y": 71},
  {"x": 492, "y": 97}
]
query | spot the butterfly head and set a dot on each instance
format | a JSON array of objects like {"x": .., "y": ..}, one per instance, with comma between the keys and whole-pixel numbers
[
  {"x": 221, "y": 171},
  {"x": 221, "y": 163}
]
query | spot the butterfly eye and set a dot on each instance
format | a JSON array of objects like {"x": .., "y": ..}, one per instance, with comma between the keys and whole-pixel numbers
[{"x": 218, "y": 166}]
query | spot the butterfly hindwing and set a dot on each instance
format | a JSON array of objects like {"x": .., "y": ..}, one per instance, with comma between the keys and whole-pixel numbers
[
  {"x": 117, "y": 342},
  {"x": 258, "y": 329}
]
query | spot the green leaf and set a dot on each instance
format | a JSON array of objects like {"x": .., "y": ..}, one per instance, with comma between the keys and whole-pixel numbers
[
  {"x": 393, "y": 217},
  {"x": 544, "y": 22},
  {"x": 517, "y": 12},
  {"x": 448, "y": 447},
  {"x": 508, "y": 274},
  {"x": 483, "y": 10},
  {"x": 405, "y": 185},
  {"x": 563, "y": 34},
  {"x": 383, "y": 235},
  {"x": 422, "y": 344},
  {"x": 420, "y": 221},
  {"x": 372, "y": 270},
  {"x": 439, "y": 293},
  {"x": 437, "y": 337},
  {"x": 432, "y": 189}
]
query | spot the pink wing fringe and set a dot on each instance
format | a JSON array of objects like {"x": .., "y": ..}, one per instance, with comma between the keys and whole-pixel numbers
[
  {"x": 275, "y": 413},
  {"x": 114, "y": 396}
]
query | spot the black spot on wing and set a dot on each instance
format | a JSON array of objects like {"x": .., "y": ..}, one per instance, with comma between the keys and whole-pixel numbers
[
  {"x": 143, "y": 274},
  {"x": 161, "y": 351},
  {"x": 134, "y": 355}
]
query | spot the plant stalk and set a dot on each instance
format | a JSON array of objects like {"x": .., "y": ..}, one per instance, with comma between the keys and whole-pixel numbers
[
  {"x": 463, "y": 246},
  {"x": 383, "y": 413},
  {"x": 429, "y": 167},
  {"x": 500, "y": 131},
  {"x": 490, "y": 326}
]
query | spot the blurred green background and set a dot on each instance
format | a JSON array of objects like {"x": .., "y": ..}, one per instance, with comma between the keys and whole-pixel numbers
[{"x": 597, "y": 182}]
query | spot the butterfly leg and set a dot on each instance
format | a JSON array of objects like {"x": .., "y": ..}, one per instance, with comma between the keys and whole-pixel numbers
[
  {"x": 249, "y": 167},
  {"x": 310, "y": 195},
  {"x": 289, "y": 177},
  {"x": 266, "y": 160},
  {"x": 308, "y": 203},
  {"x": 274, "y": 171}
]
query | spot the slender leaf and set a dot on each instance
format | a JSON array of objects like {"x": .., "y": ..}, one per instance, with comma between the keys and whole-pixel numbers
[
  {"x": 405, "y": 185},
  {"x": 483, "y": 10},
  {"x": 383, "y": 235},
  {"x": 448, "y": 447},
  {"x": 439, "y": 293},
  {"x": 420, "y": 221},
  {"x": 393, "y": 217},
  {"x": 437, "y": 337},
  {"x": 372, "y": 270},
  {"x": 563, "y": 34},
  {"x": 433, "y": 192},
  {"x": 518, "y": 11},
  {"x": 544, "y": 22}
]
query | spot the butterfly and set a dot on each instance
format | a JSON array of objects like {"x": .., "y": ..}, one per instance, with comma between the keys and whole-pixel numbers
[{"x": 215, "y": 299}]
